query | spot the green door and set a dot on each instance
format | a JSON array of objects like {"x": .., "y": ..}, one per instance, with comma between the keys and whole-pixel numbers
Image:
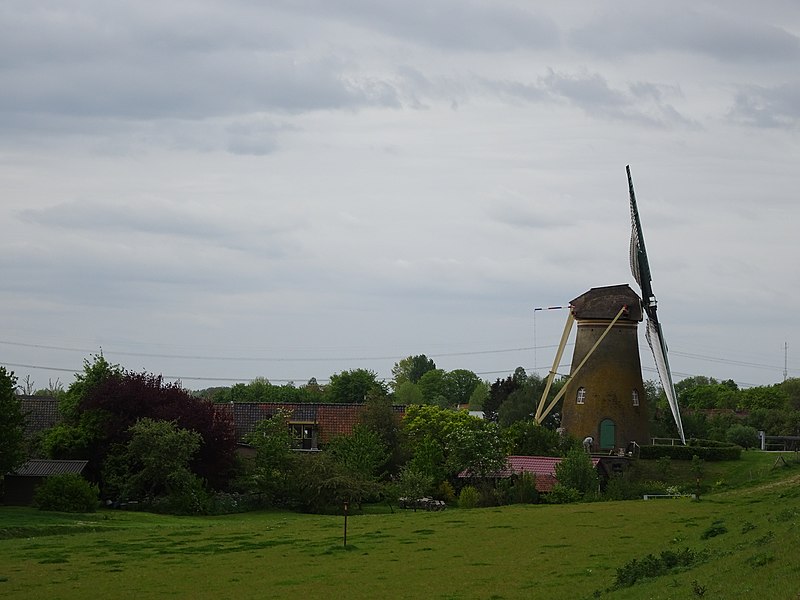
[{"x": 607, "y": 434}]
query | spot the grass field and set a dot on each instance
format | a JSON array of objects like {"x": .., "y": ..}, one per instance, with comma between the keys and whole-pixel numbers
[{"x": 748, "y": 535}]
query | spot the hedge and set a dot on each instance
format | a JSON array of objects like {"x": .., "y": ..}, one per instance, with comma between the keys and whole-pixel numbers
[{"x": 705, "y": 452}]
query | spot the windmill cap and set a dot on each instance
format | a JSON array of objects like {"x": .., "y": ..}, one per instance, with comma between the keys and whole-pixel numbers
[{"x": 605, "y": 302}]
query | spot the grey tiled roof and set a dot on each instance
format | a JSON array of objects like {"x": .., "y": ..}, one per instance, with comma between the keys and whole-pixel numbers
[
  {"x": 40, "y": 413},
  {"x": 46, "y": 468}
]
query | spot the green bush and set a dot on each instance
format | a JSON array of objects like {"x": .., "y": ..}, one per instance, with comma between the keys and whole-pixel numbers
[
  {"x": 651, "y": 566},
  {"x": 185, "y": 495},
  {"x": 695, "y": 442},
  {"x": 561, "y": 494},
  {"x": 621, "y": 487},
  {"x": 742, "y": 435},
  {"x": 577, "y": 471},
  {"x": 652, "y": 488},
  {"x": 469, "y": 497},
  {"x": 67, "y": 493},
  {"x": 445, "y": 492},
  {"x": 521, "y": 490}
]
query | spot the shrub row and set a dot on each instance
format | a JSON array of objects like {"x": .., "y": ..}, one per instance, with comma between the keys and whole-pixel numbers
[
  {"x": 710, "y": 453},
  {"x": 694, "y": 442},
  {"x": 654, "y": 566}
]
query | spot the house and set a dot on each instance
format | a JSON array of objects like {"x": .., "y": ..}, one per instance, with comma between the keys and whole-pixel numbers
[
  {"x": 312, "y": 424},
  {"x": 20, "y": 485}
]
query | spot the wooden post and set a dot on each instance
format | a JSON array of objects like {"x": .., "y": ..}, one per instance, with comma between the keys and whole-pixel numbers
[{"x": 345, "y": 524}]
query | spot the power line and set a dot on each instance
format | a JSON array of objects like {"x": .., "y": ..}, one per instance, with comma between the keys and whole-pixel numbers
[{"x": 269, "y": 358}]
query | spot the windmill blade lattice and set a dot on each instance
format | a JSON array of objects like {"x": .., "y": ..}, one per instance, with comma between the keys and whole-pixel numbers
[{"x": 640, "y": 268}]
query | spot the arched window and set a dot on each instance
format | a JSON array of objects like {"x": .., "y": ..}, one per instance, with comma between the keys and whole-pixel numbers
[
  {"x": 581, "y": 397},
  {"x": 635, "y": 397}
]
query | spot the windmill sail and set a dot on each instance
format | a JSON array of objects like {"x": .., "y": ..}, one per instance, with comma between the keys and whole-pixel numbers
[{"x": 640, "y": 269}]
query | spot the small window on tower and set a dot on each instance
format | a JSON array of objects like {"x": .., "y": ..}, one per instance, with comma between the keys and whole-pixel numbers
[
  {"x": 635, "y": 397},
  {"x": 581, "y": 398}
]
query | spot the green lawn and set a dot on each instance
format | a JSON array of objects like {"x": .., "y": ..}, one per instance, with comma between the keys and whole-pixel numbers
[{"x": 536, "y": 551}]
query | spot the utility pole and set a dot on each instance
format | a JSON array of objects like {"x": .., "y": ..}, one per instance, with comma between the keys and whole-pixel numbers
[{"x": 785, "y": 360}]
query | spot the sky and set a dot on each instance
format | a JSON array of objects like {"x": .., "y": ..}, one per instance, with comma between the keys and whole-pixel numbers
[{"x": 218, "y": 191}]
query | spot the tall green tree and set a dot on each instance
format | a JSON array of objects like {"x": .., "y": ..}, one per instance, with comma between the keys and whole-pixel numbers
[
  {"x": 12, "y": 424},
  {"x": 408, "y": 393},
  {"x": 528, "y": 438},
  {"x": 354, "y": 387},
  {"x": 435, "y": 388},
  {"x": 479, "y": 396},
  {"x": 411, "y": 368},
  {"x": 445, "y": 442},
  {"x": 461, "y": 383},
  {"x": 362, "y": 453},
  {"x": 272, "y": 466},
  {"x": 379, "y": 416},
  {"x": 499, "y": 392},
  {"x": 576, "y": 471},
  {"x": 154, "y": 463}
]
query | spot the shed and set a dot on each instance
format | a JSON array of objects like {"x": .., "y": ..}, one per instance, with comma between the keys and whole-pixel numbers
[{"x": 20, "y": 485}]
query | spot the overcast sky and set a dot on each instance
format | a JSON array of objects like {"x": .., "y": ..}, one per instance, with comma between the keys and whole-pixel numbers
[{"x": 218, "y": 191}]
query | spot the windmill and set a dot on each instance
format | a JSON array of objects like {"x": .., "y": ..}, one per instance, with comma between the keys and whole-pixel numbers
[{"x": 604, "y": 395}]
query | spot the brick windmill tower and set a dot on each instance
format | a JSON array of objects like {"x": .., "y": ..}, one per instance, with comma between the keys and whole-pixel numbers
[
  {"x": 606, "y": 398},
  {"x": 604, "y": 395}
]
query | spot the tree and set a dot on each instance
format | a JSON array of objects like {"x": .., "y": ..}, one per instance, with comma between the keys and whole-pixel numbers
[
  {"x": 320, "y": 484},
  {"x": 499, "y": 392},
  {"x": 154, "y": 464},
  {"x": 521, "y": 403},
  {"x": 412, "y": 483},
  {"x": 768, "y": 396},
  {"x": 105, "y": 401},
  {"x": 272, "y": 441},
  {"x": 408, "y": 393},
  {"x": 461, "y": 384},
  {"x": 478, "y": 396},
  {"x": 528, "y": 438},
  {"x": 435, "y": 388},
  {"x": 479, "y": 451},
  {"x": 744, "y": 436},
  {"x": 361, "y": 453},
  {"x": 791, "y": 387},
  {"x": 445, "y": 442},
  {"x": 379, "y": 416},
  {"x": 12, "y": 424},
  {"x": 411, "y": 368},
  {"x": 576, "y": 471},
  {"x": 261, "y": 390},
  {"x": 354, "y": 387}
]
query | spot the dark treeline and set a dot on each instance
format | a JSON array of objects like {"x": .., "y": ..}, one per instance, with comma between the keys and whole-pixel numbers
[{"x": 127, "y": 425}]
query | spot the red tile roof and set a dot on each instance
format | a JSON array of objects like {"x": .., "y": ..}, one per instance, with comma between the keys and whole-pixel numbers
[
  {"x": 331, "y": 419},
  {"x": 542, "y": 467}
]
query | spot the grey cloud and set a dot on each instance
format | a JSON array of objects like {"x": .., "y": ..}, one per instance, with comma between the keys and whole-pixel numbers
[
  {"x": 170, "y": 87},
  {"x": 145, "y": 217},
  {"x": 167, "y": 220},
  {"x": 768, "y": 107},
  {"x": 528, "y": 216},
  {"x": 451, "y": 24},
  {"x": 641, "y": 102},
  {"x": 56, "y": 33},
  {"x": 633, "y": 28}
]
